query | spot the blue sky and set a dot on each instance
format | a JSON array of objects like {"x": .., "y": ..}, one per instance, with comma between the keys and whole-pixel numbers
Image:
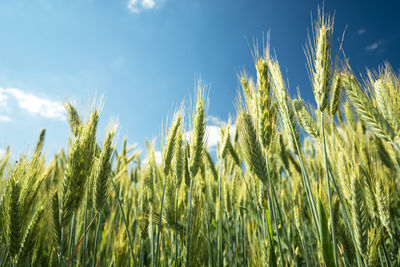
[{"x": 144, "y": 57}]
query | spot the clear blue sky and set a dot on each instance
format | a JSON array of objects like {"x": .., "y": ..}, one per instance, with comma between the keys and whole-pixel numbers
[{"x": 144, "y": 57}]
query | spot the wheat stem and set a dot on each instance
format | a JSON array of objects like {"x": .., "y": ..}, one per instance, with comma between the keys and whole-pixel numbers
[
  {"x": 125, "y": 222},
  {"x": 328, "y": 189}
]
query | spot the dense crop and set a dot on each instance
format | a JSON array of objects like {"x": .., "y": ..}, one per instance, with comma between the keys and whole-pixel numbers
[{"x": 289, "y": 186}]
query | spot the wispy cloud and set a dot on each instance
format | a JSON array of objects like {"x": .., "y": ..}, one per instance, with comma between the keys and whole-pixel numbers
[
  {"x": 4, "y": 118},
  {"x": 33, "y": 104},
  {"x": 2, "y": 152},
  {"x": 361, "y": 31},
  {"x": 135, "y": 6},
  {"x": 118, "y": 62},
  {"x": 374, "y": 46},
  {"x": 3, "y": 100}
]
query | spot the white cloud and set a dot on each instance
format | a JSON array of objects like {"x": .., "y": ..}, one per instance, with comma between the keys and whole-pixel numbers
[
  {"x": 2, "y": 152},
  {"x": 4, "y": 118},
  {"x": 35, "y": 105},
  {"x": 361, "y": 31},
  {"x": 149, "y": 4},
  {"x": 3, "y": 100},
  {"x": 135, "y": 6},
  {"x": 158, "y": 157},
  {"x": 213, "y": 131},
  {"x": 213, "y": 135},
  {"x": 374, "y": 46},
  {"x": 212, "y": 120}
]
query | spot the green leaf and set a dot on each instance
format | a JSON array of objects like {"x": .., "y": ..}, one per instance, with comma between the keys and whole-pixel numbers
[{"x": 326, "y": 244}]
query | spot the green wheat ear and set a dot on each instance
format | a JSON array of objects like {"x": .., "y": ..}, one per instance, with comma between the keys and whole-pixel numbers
[
  {"x": 186, "y": 164},
  {"x": 386, "y": 88},
  {"x": 374, "y": 241},
  {"x": 266, "y": 109},
  {"x": 168, "y": 151},
  {"x": 78, "y": 169},
  {"x": 28, "y": 244},
  {"x": 336, "y": 89},
  {"x": 251, "y": 147},
  {"x": 103, "y": 171},
  {"x": 39, "y": 145},
  {"x": 197, "y": 139},
  {"x": 179, "y": 158},
  {"x": 73, "y": 119},
  {"x": 225, "y": 142},
  {"x": 14, "y": 219},
  {"x": 382, "y": 201},
  {"x": 285, "y": 108},
  {"x": 366, "y": 111},
  {"x": 55, "y": 212},
  {"x": 211, "y": 165},
  {"x": 249, "y": 93},
  {"x": 305, "y": 118},
  {"x": 360, "y": 220}
]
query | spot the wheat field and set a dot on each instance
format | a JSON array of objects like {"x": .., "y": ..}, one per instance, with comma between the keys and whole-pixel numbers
[{"x": 289, "y": 185}]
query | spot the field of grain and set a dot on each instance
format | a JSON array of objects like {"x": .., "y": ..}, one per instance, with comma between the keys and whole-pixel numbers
[{"x": 289, "y": 185}]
